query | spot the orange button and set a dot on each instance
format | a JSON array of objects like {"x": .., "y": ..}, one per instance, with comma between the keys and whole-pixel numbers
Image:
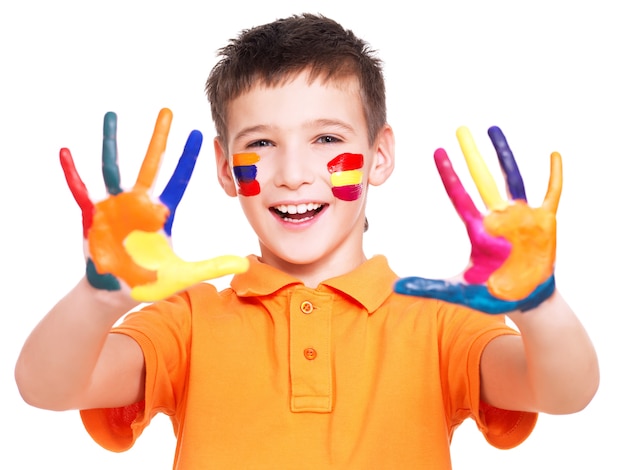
[
  {"x": 310, "y": 353},
  {"x": 306, "y": 307}
]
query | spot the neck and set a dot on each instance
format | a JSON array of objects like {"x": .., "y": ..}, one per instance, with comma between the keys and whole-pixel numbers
[{"x": 313, "y": 273}]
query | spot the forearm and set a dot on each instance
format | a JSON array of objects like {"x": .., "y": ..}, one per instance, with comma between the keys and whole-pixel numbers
[
  {"x": 59, "y": 357},
  {"x": 560, "y": 360}
]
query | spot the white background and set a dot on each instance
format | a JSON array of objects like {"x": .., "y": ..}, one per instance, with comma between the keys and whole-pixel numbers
[{"x": 550, "y": 73}]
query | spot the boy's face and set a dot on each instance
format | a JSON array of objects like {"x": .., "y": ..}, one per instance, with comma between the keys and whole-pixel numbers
[{"x": 299, "y": 159}]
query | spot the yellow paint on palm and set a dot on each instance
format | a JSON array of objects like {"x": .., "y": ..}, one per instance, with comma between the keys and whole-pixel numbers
[
  {"x": 480, "y": 173},
  {"x": 152, "y": 251}
]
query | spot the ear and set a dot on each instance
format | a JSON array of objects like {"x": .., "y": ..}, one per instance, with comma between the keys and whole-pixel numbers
[
  {"x": 385, "y": 157},
  {"x": 224, "y": 173}
]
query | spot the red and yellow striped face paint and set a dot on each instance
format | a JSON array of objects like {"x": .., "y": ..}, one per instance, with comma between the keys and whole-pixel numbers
[
  {"x": 245, "y": 171},
  {"x": 346, "y": 176}
]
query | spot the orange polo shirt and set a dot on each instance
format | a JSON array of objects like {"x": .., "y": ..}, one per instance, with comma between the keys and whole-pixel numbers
[{"x": 270, "y": 374}]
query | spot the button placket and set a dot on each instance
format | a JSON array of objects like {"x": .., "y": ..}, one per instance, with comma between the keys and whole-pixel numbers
[{"x": 310, "y": 364}]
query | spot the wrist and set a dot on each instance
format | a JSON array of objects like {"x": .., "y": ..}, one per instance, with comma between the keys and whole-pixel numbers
[
  {"x": 543, "y": 292},
  {"x": 111, "y": 304},
  {"x": 549, "y": 304}
]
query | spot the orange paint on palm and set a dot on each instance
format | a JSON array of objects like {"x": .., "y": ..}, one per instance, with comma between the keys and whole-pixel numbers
[
  {"x": 532, "y": 233},
  {"x": 114, "y": 218}
]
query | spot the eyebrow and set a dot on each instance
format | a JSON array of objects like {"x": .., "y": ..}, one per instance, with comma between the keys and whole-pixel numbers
[
  {"x": 251, "y": 130},
  {"x": 322, "y": 122},
  {"x": 331, "y": 123}
]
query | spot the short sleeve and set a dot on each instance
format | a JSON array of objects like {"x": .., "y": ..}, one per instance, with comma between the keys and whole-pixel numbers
[
  {"x": 112, "y": 428},
  {"x": 162, "y": 330},
  {"x": 505, "y": 429},
  {"x": 466, "y": 337}
]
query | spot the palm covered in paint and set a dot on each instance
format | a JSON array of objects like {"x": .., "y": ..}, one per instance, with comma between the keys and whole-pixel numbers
[
  {"x": 127, "y": 234},
  {"x": 513, "y": 246}
]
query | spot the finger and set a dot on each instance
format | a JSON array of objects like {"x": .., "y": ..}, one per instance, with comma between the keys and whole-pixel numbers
[
  {"x": 462, "y": 202},
  {"x": 150, "y": 165},
  {"x": 480, "y": 173},
  {"x": 110, "y": 168},
  {"x": 514, "y": 181},
  {"x": 553, "y": 194},
  {"x": 192, "y": 273},
  {"x": 474, "y": 296},
  {"x": 78, "y": 189},
  {"x": 152, "y": 251},
  {"x": 176, "y": 186}
]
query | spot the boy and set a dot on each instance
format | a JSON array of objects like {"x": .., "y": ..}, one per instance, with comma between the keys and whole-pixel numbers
[{"x": 309, "y": 360}]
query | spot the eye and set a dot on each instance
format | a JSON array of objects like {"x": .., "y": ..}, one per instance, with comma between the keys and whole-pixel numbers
[
  {"x": 327, "y": 139},
  {"x": 260, "y": 143}
]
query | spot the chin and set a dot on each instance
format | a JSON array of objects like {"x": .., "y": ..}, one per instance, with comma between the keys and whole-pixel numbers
[
  {"x": 297, "y": 254},
  {"x": 300, "y": 259}
]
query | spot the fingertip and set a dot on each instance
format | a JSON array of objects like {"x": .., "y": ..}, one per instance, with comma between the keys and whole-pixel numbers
[
  {"x": 165, "y": 114},
  {"x": 556, "y": 163},
  {"x": 498, "y": 139},
  {"x": 65, "y": 154},
  {"x": 555, "y": 185},
  {"x": 466, "y": 142},
  {"x": 494, "y": 131},
  {"x": 194, "y": 141},
  {"x": 110, "y": 124},
  {"x": 463, "y": 132},
  {"x": 441, "y": 158},
  {"x": 244, "y": 265},
  {"x": 556, "y": 166}
]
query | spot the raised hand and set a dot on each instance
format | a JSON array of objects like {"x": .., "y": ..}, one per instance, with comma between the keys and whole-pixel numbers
[
  {"x": 513, "y": 246},
  {"x": 127, "y": 234}
]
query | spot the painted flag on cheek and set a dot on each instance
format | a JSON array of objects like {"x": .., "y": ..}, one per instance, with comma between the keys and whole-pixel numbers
[
  {"x": 346, "y": 176},
  {"x": 245, "y": 172}
]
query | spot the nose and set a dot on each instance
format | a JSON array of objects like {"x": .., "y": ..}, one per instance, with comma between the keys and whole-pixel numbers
[{"x": 293, "y": 168}]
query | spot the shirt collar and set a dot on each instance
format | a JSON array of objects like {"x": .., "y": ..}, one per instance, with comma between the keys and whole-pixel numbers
[{"x": 369, "y": 284}]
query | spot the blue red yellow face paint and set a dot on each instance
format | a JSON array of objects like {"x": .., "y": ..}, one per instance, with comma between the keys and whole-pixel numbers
[
  {"x": 245, "y": 172},
  {"x": 346, "y": 176}
]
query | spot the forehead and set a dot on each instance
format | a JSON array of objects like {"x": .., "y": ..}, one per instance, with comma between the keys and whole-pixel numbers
[{"x": 297, "y": 98}]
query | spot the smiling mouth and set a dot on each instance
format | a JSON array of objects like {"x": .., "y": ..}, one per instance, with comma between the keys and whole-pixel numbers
[{"x": 298, "y": 213}]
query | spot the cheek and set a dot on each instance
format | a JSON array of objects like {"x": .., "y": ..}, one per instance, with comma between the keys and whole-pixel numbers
[
  {"x": 245, "y": 171},
  {"x": 346, "y": 176}
]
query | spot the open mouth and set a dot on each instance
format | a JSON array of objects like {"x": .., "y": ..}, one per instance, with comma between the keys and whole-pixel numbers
[{"x": 298, "y": 213}]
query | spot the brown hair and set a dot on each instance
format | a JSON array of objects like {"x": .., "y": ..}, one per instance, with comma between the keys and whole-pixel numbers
[{"x": 274, "y": 52}]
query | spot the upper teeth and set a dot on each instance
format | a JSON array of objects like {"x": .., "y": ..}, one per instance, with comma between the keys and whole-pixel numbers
[{"x": 297, "y": 209}]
